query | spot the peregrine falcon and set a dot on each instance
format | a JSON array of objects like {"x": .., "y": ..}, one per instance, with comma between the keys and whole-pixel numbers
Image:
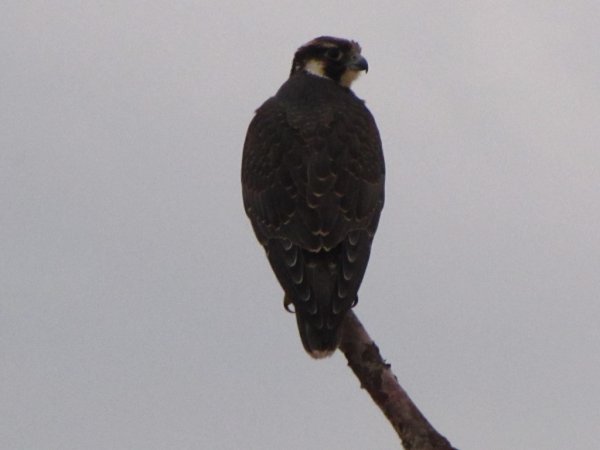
[{"x": 313, "y": 187}]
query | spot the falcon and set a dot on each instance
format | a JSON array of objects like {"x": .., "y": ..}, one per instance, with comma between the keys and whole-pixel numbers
[{"x": 313, "y": 187}]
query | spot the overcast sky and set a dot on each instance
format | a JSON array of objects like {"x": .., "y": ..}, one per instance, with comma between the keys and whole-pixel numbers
[{"x": 137, "y": 311}]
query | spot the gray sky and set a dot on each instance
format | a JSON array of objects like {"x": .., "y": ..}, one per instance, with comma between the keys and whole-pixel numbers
[{"x": 138, "y": 311}]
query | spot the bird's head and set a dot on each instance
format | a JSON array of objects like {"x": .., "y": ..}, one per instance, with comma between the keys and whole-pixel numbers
[{"x": 329, "y": 57}]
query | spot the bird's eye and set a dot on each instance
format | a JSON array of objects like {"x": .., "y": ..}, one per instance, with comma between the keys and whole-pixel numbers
[{"x": 333, "y": 54}]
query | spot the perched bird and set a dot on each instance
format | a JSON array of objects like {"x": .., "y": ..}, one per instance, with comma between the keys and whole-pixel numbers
[{"x": 313, "y": 187}]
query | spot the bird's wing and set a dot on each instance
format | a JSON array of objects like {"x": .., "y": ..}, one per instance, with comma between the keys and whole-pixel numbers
[
  {"x": 311, "y": 178},
  {"x": 269, "y": 193}
]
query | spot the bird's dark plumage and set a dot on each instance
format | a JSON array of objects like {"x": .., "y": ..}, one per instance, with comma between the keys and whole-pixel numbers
[{"x": 313, "y": 180}]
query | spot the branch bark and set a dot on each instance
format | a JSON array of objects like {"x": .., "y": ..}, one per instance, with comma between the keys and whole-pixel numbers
[{"x": 376, "y": 376}]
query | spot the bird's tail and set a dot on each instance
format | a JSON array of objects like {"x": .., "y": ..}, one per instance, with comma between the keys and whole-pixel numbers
[
  {"x": 320, "y": 317},
  {"x": 318, "y": 342}
]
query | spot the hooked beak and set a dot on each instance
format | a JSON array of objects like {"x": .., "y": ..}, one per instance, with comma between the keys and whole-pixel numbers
[{"x": 358, "y": 63}]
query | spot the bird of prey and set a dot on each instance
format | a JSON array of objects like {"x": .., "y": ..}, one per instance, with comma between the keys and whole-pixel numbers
[{"x": 313, "y": 187}]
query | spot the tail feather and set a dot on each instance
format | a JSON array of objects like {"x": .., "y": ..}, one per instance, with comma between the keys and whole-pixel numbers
[
  {"x": 318, "y": 342},
  {"x": 319, "y": 325},
  {"x": 322, "y": 286}
]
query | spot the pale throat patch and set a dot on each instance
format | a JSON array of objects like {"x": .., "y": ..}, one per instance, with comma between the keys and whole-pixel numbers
[
  {"x": 348, "y": 77},
  {"x": 317, "y": 67}
]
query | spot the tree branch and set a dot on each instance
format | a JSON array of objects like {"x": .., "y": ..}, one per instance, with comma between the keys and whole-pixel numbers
[{"x": 363, "y": 356}]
